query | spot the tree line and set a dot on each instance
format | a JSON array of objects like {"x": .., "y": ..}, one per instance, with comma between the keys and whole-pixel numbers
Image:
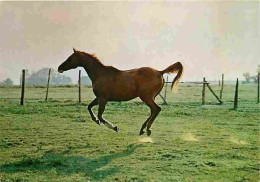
[
  {"x": 40, "y": 77},
  {"x": 249, "y": 78}
]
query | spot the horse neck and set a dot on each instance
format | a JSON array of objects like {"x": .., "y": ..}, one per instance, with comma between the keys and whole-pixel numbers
[{"x": 93, "y": 68}]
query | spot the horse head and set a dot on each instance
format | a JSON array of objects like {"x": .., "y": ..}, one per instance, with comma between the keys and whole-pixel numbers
[{"x": 72, "y": 62}]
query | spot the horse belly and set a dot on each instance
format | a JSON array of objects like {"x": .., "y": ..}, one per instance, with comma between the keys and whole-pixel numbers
[
  {"x": 124, "y": 89},
  {"x": 122, "y": 98}
]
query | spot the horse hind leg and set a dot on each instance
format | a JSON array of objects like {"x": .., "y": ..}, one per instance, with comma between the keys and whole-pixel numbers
[
  {"x": 155, "y": 110},
  {"x": 144, "y": 126},
  {"x": 101, "y": 109}
]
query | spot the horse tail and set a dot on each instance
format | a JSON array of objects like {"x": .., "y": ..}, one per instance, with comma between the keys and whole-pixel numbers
[{"x": 175, "y": 68}]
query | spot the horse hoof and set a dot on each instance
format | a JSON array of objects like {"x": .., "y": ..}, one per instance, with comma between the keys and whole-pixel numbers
[
  {"x": 141, "y": 132},
  {"x": 149, "y": 132},
  {"x": 116, "y": 129}
]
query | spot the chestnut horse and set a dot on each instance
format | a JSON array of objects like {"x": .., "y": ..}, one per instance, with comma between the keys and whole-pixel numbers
[{"x": 111, "y": 84}]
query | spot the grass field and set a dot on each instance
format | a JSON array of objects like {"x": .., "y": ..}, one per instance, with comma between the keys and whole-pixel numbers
[{"x": 50, "y": 141}]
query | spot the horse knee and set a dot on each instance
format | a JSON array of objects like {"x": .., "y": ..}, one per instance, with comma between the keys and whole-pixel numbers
[
  {"x": 153, "y": 116},
  {"x": 158, "y": 109}
]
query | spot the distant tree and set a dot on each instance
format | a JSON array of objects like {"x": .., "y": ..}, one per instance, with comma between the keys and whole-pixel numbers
[
  {"x": 85, "y": 80},
  {"x": 253, "y": 78},
  {"x": 58, "y": 79},
  {"x": 40, "y": 77},
  {"x": 8, "y": 81},
  {"x": 247, "y": 77}
]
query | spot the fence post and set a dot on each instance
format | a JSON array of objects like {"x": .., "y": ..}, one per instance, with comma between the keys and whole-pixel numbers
[
  {"x": 222, "y": 87},
  {"x": 258, "y": 88},
  {"x": 164, "y": 101},
  {"x": 79, "y": 86},
  {"x": 214, "y": 93},
  {"x": 23, "y": 83},
  {"x": 236, "y": 95},
  {"x": 165, "y": 88},
  {"x": 203, "y": 91},
  {"x": 48, "y": 83}
]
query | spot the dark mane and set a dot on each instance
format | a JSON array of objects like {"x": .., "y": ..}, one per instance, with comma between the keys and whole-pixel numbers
[{"x": 95, "y": 58}]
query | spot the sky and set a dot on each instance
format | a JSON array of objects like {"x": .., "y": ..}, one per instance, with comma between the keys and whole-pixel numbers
[{"x": 208, "y": 38}]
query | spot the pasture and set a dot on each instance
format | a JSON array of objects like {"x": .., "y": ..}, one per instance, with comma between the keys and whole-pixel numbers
[{"x": 58, "y": 141}]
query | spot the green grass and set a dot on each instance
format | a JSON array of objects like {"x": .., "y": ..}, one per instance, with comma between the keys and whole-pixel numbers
[{"x": 48, "y": 141}]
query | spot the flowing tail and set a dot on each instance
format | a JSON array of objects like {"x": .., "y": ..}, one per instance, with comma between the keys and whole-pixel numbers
[{"x": 175, "y": 68}]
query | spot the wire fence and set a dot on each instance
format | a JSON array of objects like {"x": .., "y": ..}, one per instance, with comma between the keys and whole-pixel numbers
[{"x": 184, "y": 92}]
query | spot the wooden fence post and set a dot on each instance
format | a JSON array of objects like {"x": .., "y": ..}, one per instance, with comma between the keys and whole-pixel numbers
[
  {"x": 23, "y": 83},
  {"x": 258, "y": 87},
  {"x": 164, "y": 101},
  {"x": 236, "y": 95},
  {"x": 222, "y": 87},
  {"x": 214, "y": 93},
  {"x": 203, "y": 91},
  {"x": 79, "y": 86},
  {"x": 48, "y": 83}
]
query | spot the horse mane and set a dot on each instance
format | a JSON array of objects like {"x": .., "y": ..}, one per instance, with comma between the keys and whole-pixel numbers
[
  {"x": 93, "y": 55},
  {"x": 97, "y": 60}
]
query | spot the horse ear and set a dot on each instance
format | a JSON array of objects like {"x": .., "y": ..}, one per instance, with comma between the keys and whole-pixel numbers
[{"x": 74, "y": 49}]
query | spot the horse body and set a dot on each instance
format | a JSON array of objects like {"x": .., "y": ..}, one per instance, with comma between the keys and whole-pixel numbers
[
  {"x": 127, "y": 85},
  {"x": 111, "y": 84}
]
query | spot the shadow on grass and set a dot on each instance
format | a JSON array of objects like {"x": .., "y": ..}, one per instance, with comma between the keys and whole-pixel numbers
[{"x": 67, "y": 165}]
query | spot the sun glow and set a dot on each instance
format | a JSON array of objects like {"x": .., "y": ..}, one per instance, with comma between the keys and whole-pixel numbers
[{"x": 145, "y": 140}]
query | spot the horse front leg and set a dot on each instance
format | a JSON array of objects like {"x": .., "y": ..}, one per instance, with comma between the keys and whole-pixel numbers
[
  {"x": 92, "y": 104},
  {"x": 102, "y": 104}
]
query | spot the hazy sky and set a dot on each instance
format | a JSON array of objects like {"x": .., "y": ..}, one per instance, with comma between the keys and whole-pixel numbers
[{"x": 209, "y": 38}]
